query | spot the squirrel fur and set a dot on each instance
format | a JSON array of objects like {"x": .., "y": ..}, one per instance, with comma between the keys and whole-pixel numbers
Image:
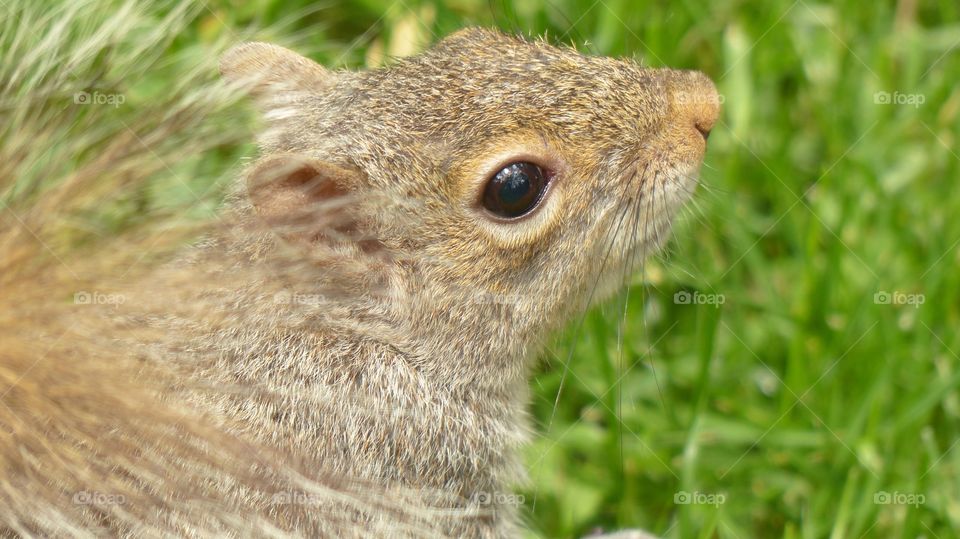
[{"x": 347, "y": 350}]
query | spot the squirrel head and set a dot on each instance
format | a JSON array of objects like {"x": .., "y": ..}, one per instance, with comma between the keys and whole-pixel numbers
[{"x": 510, "y": 182}]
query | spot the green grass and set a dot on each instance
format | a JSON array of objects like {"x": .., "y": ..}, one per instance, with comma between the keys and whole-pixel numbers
[{"x": 795, "y": 404}]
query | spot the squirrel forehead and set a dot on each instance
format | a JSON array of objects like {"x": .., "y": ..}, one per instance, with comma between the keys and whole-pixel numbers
[
  {"x": 474, "y": 85},
  {"x": 488, "y": 80}
]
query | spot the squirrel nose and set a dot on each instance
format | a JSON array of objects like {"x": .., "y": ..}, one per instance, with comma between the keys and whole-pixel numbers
[{"x": 695, "y": 101}]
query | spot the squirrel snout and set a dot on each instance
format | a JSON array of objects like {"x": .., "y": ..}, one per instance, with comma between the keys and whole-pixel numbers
[{"x": 695, "y": 101}]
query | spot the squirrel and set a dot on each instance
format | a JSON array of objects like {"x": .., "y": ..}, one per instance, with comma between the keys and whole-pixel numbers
[{"x": 348, "y": 350}]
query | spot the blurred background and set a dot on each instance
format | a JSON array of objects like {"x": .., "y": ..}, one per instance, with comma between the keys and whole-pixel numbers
[{"x": 789, "y": 366}]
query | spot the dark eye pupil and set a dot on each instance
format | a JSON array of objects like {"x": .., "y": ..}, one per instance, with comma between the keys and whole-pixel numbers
[{"x": 515, "y": 190}]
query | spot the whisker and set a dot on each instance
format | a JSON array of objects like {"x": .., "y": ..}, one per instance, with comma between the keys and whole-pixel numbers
[
  {"x": 579, "y": 326},
  {"x": 646, "y": 328},
  {"x": 628, "y": 274},
  {"x": 629, "y": 258}
]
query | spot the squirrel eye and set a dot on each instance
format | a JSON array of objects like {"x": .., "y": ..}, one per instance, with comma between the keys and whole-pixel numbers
[{"x": 515, "y": 190}]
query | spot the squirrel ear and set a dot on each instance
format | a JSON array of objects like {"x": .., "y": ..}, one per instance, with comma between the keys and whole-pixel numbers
[
  {"x": 267, "y": 68},
  {"x": 303, "y": 199}
]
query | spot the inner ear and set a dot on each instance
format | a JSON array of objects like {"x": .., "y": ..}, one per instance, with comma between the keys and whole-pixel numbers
[{"x": 305, "y": 200}]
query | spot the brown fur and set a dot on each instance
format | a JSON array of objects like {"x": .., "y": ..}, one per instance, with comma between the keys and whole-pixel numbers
[{"x": 356, "y": 334}]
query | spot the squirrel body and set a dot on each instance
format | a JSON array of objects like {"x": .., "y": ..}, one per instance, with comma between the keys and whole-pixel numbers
[{"x": 349, "y": 351}]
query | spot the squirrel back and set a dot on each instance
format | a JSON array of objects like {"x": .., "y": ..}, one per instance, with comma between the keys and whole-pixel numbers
[{"x": 347, "y": 350}]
